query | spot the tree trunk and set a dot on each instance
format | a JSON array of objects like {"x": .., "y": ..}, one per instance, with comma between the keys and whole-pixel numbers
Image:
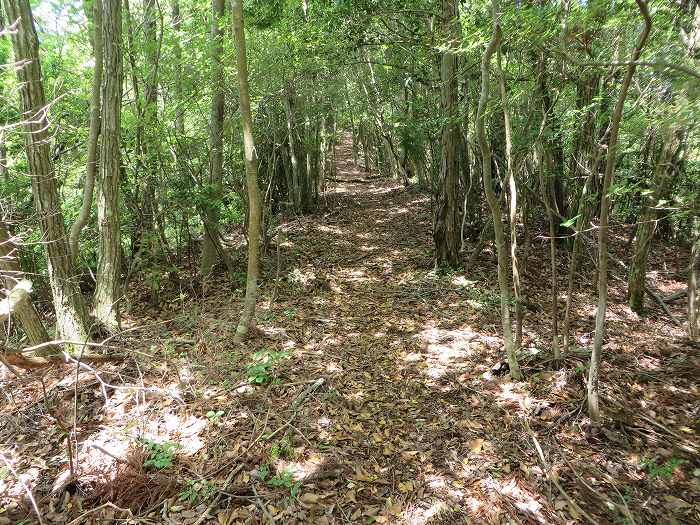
[
  {"x": 177, "y": 52},
  {"x": 647, "y": 222},
  {"x": 549, "y": 195},
  {"x": 71, "y": 311},
  {"x": 693, "y": 303},
  {"x": 446, "y": 230},
  {"x": 295, "y": 150},
  {"x": 513, "y": 205},
  {"x": 214, "y": 189},
  {"x": 494, "y": 204},
  {"x": 594, "y": 368},
  {"x": 251, "y": 170},
  {"x": 95, "y": 22},
  {"x": 106, "y": 300},
  {"x": 10, "y": 275}
]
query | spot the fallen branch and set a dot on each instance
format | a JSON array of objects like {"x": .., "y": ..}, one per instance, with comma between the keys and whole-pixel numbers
[
  {"x": 675, "y": 296},
  {"x": 108, "y": 505},
  {"x": 306, "y": 393},
  {"x": 553, "y": 478},
  {"x": 24, "y": 485},
  {"x": 32, "y": 363}
]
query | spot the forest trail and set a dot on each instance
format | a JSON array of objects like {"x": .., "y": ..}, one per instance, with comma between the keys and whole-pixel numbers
[
  {"x": 416, "y": 422},
  {"x": 398, "y": 348}
]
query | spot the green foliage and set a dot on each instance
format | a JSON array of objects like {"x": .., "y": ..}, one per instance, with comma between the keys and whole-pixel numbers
[
  {"x": 214, "y": 417},
  {"x": 664, "y": 470},
  {"x": 283, "y": 479},
  {"x": 281, "y": 449},
  {"x": 485, "y": 299},
  {"x": 160, "y": 455},
  {"x": 262, "y": 369},
  {"x": 196, "y": 491}
]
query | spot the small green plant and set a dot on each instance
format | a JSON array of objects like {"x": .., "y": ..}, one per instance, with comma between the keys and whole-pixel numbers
[
  {"x": 281, "y": 449},
  {"x": 264, "y": 471},
  {"x": 484, "y": 299},
  {"x": 214, "y": 417},
  {"x": 160, "y": 455},
  {"x": 290, "y": 312},
  {"x": 330, "y": 395},
  {"x": 664, "y": 470},
  {"x": 4, "y": 472},
  {"x": 285, "y": 479},
  {"x": 197, "y": 490},
  {"x": 261, "y": 371}
]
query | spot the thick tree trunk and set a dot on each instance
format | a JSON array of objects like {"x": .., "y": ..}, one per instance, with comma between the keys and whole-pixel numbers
[
  {"x": 10, "y": 275},
  {"x": 446, "y": 229},
  {"x": 594, "y": 368},
  {"x": 95, "y": 21},
  {"x": 251, "y": 170},
  {"x": 494, "y": 204},
  {"x": 216, "y": 142},
  {"x": 106, "y": 300},
  {"x": 646, "y": 225},
  {"x": 71, "y": 311}
]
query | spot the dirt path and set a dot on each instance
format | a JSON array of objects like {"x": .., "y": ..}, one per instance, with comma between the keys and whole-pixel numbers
[
  {"x": 415, "y": 425},
  {"x": 416, "y": 422},
  {"x": 400, "y": 350}
]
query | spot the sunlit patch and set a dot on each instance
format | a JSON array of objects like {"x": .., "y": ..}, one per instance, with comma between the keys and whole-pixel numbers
[
  {"x": 399, "y": 211},
  {"x": 301, "y": 470},
  {"x": 333, "y": 367},
  {"x": 461, "y": 281},
  {"x": 521, "y": 498},
  {"x": 447, "y": 345},
  {"x": 15, "y": 488},
  {"x": 512, "y": 393},
  {"x": 329, "y": 229}
]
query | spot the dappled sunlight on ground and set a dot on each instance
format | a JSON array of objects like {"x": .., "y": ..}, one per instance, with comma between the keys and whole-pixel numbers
[{"x": 416, "y": 421}]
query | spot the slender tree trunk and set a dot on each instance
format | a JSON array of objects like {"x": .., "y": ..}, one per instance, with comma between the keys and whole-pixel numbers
[
  {"x": 647, "y": 222},
  {"x": 295, "y": 149},
  {"x": 594, "y": 368},
  {"x": 71, "y": 311},
  {"x": 494, "y": 204},
  {"x": 10, "y": 275},
  {"x": 149, "y": 248},
  {"x": 513, "y": 206},
  {"x": 693, "y": 303},
  {"x": 575, "y": 255},
  {"x": 446, "y": 227},
  {"x": 106, "y": 300},
  {"x": 216, "y": 142},
  {"x": 251, "y": 170},
  {"x": 179, "y": 70},
  {"x": 549, "y": 196},
  {"x": 95, "y": 21}
]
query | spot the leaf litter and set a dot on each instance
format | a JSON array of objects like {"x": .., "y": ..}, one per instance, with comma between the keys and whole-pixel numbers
[{"x": 415, "y": 421}]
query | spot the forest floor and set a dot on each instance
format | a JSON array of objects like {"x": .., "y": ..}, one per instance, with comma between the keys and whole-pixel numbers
[{"x": 372, "y": 391}]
